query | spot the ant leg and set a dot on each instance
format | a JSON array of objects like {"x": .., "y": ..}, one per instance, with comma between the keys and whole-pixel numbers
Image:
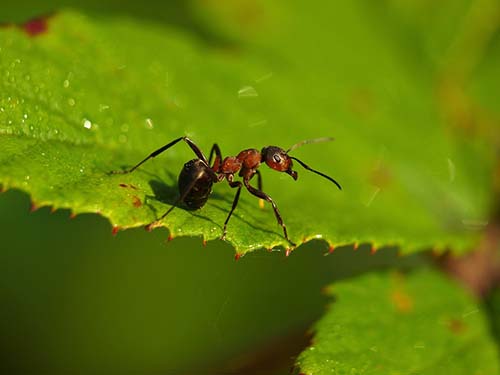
[
  {"x": 218, "y": 157},
  {"x": 262, "y": 195},
  {"x": 259, "y": 180},
  {"x": 259, "y": 185},
  {"x": 181, "y": 198},
  {"x": 233, "y": 184},
  {"x": 190, "y": 143}
]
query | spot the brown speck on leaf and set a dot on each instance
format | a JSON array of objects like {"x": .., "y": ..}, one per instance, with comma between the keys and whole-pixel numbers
[
  {"x": 402, "y": 301},
  {"x": 457, "y": 326},
  {"x": 136, "y": 201},
  {"x": 380, "y": 175},
  {"x": 362, "y": 103}
]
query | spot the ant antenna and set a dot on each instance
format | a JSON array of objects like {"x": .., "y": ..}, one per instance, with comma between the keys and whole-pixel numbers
[
  {"x": 317, "y": 172},
  {"x": 308, "y": 141}
]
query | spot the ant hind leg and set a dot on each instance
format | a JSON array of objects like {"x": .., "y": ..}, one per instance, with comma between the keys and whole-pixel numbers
[{"x": 179, "y": 200}]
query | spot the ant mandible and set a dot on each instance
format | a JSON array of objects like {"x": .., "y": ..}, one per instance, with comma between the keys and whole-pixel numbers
[{"x": 197, "y": 176}]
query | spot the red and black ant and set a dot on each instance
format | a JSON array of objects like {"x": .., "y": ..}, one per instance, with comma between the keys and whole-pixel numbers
[{"x": 197, "y": 176}]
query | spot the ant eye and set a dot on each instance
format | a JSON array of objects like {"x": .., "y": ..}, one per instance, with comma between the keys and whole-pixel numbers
[{"x": 277, "y": 158}]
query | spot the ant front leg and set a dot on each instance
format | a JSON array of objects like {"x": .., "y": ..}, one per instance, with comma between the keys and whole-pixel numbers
[
  {"x": 190, "y": 143},
  {"x": 233, "y": 184},
  {"x": 260, "y": 194},
  {"x": 259, "y": 186}
]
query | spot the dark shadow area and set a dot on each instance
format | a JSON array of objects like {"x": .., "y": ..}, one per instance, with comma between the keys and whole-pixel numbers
[
  {"x": 164, "y": 193},
  {"x": 492, "y": 306},
  {"x": 177, "y": 13}
]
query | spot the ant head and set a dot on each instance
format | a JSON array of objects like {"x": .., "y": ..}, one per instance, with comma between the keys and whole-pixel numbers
[{"x": 277, "y": 159}]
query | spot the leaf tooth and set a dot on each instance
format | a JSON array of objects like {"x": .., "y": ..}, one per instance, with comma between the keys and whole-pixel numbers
[
  {"x": 34, "y": 206},
  {"x": 115, "y": 230}
]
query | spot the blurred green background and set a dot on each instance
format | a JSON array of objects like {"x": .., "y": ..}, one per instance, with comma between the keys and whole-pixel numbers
[{"x": 77, "y": 299}]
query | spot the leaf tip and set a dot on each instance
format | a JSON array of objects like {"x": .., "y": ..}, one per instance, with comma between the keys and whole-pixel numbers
[{"x": 34, "y": 207}]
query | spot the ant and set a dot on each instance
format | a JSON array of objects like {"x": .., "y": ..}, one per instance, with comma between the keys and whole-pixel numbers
[{"x": 197, "y": 176}]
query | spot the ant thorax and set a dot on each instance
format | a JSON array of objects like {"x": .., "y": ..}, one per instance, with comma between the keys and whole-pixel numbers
[{"x": 246, "y": 160}]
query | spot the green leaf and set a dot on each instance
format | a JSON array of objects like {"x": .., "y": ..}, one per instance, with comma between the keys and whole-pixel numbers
[
  {"x": 91, "y": 95},
  {"x": 391, "y": 323}
]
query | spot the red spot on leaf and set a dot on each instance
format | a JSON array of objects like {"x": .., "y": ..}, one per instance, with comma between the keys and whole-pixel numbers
[
  {"x": 36, "y": 26},
  {"x": 237, "y": 256},
  {"x": 115, "y": 230}
]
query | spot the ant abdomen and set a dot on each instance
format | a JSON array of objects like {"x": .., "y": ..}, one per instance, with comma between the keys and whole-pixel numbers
[{"x": 197, "y": 181}]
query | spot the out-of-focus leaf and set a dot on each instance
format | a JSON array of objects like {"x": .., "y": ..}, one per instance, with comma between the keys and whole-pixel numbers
[{"x": 419, "y": 323}]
